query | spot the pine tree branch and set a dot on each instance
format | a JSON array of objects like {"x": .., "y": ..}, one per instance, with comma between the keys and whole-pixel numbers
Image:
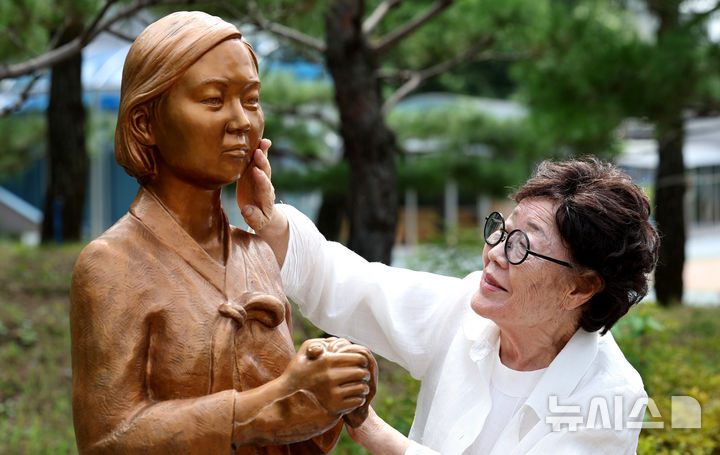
[
  {"x": 377, "y": 16},
  {"x": 283, "y": 31},
  {"x": 96, "y": 20},
  {"x": 697, "y": 18},
  {"x": 67, "y": 50},
  {"x": 417, "y": 78},
  {"x": 292, "y": 34},
  {"x": 121, "y": 35},
  {"x": 7, "y": 110},
  {"x": 384, "y": 44}
]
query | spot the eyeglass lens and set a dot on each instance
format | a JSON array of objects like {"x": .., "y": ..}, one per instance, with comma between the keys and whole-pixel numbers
[
  {"x": 516, "y": 247},
  {"x": 494, "y": 228},
  {"x": 517, "y": 244}
]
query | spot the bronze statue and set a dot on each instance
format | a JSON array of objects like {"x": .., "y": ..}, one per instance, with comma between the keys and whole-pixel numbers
[{"x": 181, "y": 332}]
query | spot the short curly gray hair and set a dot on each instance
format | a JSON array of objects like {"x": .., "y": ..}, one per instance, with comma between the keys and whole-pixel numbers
[{"x": 604, "y": 219}]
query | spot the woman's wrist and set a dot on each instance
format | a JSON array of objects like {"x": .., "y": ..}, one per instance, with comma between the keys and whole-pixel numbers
[
  {"x": 276, "y": 233},
  {"x": 378, "y": 437}
]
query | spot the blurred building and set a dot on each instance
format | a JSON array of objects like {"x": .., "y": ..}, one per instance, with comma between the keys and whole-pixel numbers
[{"x": 701, "y": 153}]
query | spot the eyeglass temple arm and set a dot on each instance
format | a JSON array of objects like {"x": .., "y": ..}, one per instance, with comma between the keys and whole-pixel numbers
[{"x": 547, "y": 258}]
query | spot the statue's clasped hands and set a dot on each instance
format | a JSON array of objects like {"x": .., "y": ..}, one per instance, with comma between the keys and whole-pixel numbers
[{"x": 342, "y": 377}]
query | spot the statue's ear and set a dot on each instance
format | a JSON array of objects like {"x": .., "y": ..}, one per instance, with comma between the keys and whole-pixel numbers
[{"x": 141, "y": 126}]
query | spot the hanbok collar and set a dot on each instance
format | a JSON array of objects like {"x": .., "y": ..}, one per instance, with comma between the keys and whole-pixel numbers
[{"x": 152, "y": 213}]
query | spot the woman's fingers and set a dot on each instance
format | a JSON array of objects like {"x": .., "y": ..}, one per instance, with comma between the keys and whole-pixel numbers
[
  {"x": 258, "y": 211},
  {"x": 265, "y": 145},
  {"x": 254, "y": 217},
  {"x": 261, "y": 162}
]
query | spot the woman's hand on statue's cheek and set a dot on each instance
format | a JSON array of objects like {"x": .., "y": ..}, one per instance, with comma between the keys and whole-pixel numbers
[{"x": 255, "y": 193}]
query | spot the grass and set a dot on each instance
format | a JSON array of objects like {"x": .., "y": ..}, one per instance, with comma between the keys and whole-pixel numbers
[
  {"x": 674, "y": 349},
  {"x": 35, "y": 377}
]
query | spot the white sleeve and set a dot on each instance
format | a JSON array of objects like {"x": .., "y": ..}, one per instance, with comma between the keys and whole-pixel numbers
[
  {"x": 416, "y": 449},
  {"x": 399, "y": 314},
  {"x": 595, "y": 441}
]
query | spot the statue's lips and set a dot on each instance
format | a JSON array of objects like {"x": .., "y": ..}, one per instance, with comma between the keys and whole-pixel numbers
[{"x": 236, "y": 152}]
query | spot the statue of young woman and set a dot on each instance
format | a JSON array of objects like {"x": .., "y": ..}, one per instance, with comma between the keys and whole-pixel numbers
[{"x": 181, "y": 332}]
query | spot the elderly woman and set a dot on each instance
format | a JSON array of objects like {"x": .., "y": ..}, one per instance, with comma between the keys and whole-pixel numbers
[
  {"x": 517, "y": 358},
  {"x": 181, "y": 332}
]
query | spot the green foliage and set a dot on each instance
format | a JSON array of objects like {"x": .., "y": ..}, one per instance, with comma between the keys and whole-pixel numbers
[
  {"x": 28, "y": 26},
  {"x": 297, "y": 119},
  {"x": 295, "y": 114},
  {"x": 457, "y": 260},
  {"x": 458, "y": 140},
  {"x": 330, "y": 179},
  {"x": 584, "y": 78},
  {"x": 460, "y": 26},
  {"x": 22, "y": 141},
  {"x": 281, "y": 89},
  {"x": 35, "y": 381},
  {"x": 510, "y": 25},
  {"x": 675, "y": 351},
  {"x": 595, "y": 69},
  {"x": 461, "y": 141}
]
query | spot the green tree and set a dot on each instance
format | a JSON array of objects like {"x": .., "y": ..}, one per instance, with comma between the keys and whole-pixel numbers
[
  {"x": 377, "y": 53},
  {"x": 597, "y": 69},
  {"x": 40, "y": 35}
]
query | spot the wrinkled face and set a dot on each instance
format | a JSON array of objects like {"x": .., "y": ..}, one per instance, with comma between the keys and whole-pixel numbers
[
  {"x": 210, "y": 122},
  {"x": 533, "y": 292}
]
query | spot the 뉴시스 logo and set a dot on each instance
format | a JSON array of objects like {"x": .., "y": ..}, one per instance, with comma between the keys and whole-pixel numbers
[{"x": 685, "y": 413}]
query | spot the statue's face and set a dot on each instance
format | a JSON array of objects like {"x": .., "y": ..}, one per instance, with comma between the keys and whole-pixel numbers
[{"x": 210, "y": 122}]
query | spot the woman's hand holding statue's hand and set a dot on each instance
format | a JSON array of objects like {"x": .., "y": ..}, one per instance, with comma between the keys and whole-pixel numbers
[
  {"x": 255, "y": 193},
  {"x": 378, "y": 437},
  {"x": 339, "y": 381}
]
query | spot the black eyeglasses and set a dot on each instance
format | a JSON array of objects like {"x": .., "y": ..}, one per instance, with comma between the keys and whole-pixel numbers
[{"x": 517, "y": 243}]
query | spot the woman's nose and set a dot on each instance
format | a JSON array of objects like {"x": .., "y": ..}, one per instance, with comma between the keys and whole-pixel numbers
[{"x": 496, "y": 253}]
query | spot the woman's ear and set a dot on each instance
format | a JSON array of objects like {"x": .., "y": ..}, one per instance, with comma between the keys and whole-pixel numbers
[
  {"x": 140, "y": 122},
  {"x": 587, "y": 284}
]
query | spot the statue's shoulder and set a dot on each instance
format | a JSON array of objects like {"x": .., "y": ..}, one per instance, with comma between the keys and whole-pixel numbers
[
  {"x": 254, "y": 246},
  {"x": 111, "y": 250}
]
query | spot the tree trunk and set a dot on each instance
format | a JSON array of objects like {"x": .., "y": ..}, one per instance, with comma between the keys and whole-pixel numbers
[
  {"x": 67, "y": 156},
  {"x": 330, "y": 216},
  {"x": 370, "y": 146},
  {"x": 670, "y": 177},
  {"x": 670, "y": 209}
]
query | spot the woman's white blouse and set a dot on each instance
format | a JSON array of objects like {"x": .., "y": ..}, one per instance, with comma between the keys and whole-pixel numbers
[{"x": 590, "y": 399}]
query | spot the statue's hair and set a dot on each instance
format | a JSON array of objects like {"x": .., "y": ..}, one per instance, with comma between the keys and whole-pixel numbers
[{"x": 159, "y": 56}]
